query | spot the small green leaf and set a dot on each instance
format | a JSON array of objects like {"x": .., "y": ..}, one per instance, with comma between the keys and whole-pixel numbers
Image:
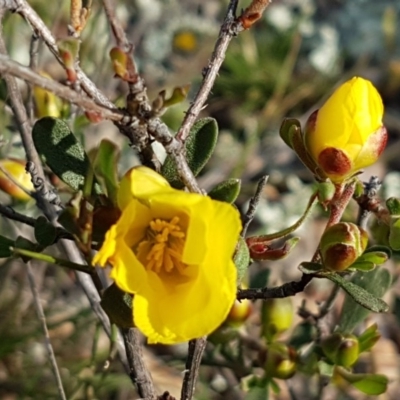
[
  {"x": 393, "y": 205},
  {"x": 241, "y": 259},
  {"x": 394, "y": 235},
  {"x": 310, "y": 267},
  {"x": 376, "y": 284},
  {"x": 364, "y": 266},
  {"x": 371, "y": 384},
  {"x": 5, "y": 244},
  {"x": 374, "y": 257},
  {"x": 380, "y": 249},
  {"x": 288, "y": 129},
  {"x": 199, "y": 147},
  {"x": 105, "y": 168},
  {"x": 226, "y": 191},
  {"x": 368, "y": 338},
  {"x": 359, "y": 295},
  {"x": 118, "y": 306},
  {"x": 61, "y": 151},
  {"x": 45, "y": 232}
]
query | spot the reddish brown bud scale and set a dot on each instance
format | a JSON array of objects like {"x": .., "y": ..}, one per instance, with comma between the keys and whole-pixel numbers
[
  {"x": 342, "y": 254},
  {"x": 334, "y": 161},
  {"x": 341, "y": 245},
  {"x": 253, "y": 13}
]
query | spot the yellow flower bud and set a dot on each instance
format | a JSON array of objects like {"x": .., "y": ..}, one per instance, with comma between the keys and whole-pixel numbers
[
  {"x": 346, "y": 134},
  {"x": 16, "y": 169}
]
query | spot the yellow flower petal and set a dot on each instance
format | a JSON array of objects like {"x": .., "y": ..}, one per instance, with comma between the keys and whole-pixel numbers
[{"x": 139, "y": 181}]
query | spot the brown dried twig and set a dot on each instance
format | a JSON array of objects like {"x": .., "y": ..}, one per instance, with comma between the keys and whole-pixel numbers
[{"x": 8, "y": 66}]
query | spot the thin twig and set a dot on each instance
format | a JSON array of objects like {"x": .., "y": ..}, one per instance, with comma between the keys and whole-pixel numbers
[
  {"x": 138, "y": 372},
  {"x": 249, "y": 216},
  {"x": 8, "y": 66},
  {"x": 286, "y": 290},
  {"x": 229, "y": 29},
  {"x": 371, "y": 189},
  {"x": 33, "y": 65},
  {"x": 47, "y": 341},
  {"x": 29, "y": 14},
  {"x": 118, "y": 31},
  {"x": 193, "y": 361},
  {"x": 10, "y": 213}
]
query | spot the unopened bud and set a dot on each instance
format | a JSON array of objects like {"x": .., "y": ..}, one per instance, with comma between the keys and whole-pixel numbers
[
  {"x": 239, "y": 313},
  {"x": 341, "y": 349},
  {"x": 281, "y": 361},
  {"x": 276, "y": 317},
  {"x": 341, "y": 245}
]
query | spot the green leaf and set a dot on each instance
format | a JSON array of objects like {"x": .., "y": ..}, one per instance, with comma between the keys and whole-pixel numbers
[
  {"x": 310, "y": 267},
  {"x": 199, "y": 147},
  {"x": 371, "y": 384},
  {"x": 257, "y": 393},
  {"x": 376, "y": 283},
  {"x": 5, "y": 244},
  {"x": 106, "y": 168},
  {"x": 226, "y": 191},
  {"x": 288, "y": 128},
  {"x": 368, "y": 338},
  {"x": 241, "y": 259},
  {"x": 393, "y": 205},
  {"x": 118, "y": 306},
  {"x": 379, "y": 249},
  {"x": 61, "y": 151},
  {"x": 45, "y": 232},
  {"x": 394, "y": 235},
  {"x": 364, "y": 266},
  {"x": 374, "y": 257},
  {"x": 359, "y": 294}
]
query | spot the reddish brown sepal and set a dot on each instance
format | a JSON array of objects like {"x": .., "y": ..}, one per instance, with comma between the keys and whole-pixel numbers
[
  {"x": 340, "y": 256},
  {"x": 261, "y": 250},
  {"x": 253, "y": 13},
  {"x": 334, "y": 162}
]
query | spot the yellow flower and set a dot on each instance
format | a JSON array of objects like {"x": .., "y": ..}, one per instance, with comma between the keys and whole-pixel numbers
[
  {"x": 347, "y": 133},
  {"x": 173, "y": 250}
]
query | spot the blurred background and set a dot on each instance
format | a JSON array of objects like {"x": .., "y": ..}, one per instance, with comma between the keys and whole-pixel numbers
[{"x": 285, "y": 66}]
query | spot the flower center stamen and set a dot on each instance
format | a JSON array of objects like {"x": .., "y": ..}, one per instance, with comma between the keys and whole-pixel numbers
[{"x": 162, "y": 246}]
